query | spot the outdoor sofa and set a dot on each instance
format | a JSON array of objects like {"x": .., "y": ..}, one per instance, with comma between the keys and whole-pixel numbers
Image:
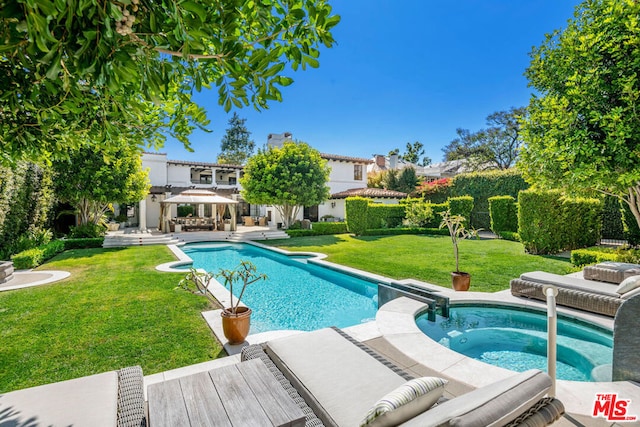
[
  {"x": 109, "y": 399},
  {"x": 337, "y": 381},
  {"x": 589, "y": 295}
]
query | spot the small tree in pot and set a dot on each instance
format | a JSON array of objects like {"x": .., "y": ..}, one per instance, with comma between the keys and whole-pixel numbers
[
  {"x": 236, "y": 320},
  {"x": 457, "y": 231}
]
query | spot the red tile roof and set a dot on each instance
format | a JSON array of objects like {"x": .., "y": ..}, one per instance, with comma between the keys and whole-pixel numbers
[
  {"x": 370, "y": 193},
  {"x": 345, "y": 158}
]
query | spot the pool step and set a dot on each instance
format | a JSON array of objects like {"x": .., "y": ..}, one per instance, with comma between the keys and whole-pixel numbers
[{"x": 138, "y": 240}]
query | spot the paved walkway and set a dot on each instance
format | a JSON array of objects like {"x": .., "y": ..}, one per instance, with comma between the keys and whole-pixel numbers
[{"x": 27, "y": 278}]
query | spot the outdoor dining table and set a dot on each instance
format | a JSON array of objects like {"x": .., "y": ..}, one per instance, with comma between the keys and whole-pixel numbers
[{"x": 244, "y": 394}]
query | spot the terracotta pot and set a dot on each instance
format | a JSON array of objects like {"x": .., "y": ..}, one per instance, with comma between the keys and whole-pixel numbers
[
  {"x": 461, "y": 280},
  {"x": 236, "y": 326}
]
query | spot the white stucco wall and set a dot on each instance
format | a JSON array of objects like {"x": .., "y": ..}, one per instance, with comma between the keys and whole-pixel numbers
[
  {"x": 179, "y": 175},
  {"x": 157, "y": 165},
  {"x": 341, "y": 176}
]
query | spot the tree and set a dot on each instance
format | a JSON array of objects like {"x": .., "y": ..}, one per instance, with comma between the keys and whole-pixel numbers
[
  {"x": 495, "y": 147},
  {"x": 288, "y": 177},
  {"x": 236, "y": 147},
  {"x": 414, "y": 152},
  {"x": 582, "y": 131},
  {"x": 100, "y": 70},
  {"x": 92, "y": 180},
  {"x": 407, "y": 181}
]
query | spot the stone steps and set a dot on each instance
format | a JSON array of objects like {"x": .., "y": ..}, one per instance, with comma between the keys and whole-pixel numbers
[{"x": 140, "y": 239}]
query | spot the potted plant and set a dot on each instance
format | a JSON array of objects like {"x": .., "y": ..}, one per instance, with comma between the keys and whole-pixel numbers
[
  {"x": 455, "y": 223},
  {"x": 236, "y": 320}
]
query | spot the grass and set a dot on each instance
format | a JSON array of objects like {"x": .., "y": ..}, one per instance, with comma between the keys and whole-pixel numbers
[
  {"x": 114, "y": 311},
  {"x": 491, "y": 263}
]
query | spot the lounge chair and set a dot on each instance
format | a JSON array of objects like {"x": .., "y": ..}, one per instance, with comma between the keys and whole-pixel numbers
[
  {"x": 110, "y": 399},
  {"x": 248, "y": 221},
  {"x": 574, "y": 292},
  {"x": 610, "y": 271},
  {"x": 336, "y": 381}
]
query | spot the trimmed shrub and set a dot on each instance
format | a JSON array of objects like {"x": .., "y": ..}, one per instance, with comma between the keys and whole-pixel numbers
[
  {"x": 320, "y": 229},
  {"x": 34, "y": 257},
  {"x": 405, "y": 230},
  {"x": 504, "y": 214},
  {"x": 612, "y": 226},
  {"x": 631, "y": 230},
  {"x": 418, "y": 213},
  {"x": 482, "y": 185},
  {"x": 87, "y": 231},
  {"x": 438, "y": 209},
  {"x": 462, "y": 205},
  {"x": 384, "y": 216},
  {"x": 509, "y": 235},
  {"x": 356, "y": 211},
  {"x": 85, "y": 243},
  {"x": 548, "y": 222},
  {"x": 581, "y": 257}
]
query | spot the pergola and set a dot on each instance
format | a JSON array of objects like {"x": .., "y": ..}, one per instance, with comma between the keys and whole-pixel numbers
[{"x": 197, "y": 197}]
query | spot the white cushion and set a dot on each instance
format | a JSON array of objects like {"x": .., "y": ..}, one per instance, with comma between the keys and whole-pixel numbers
[
  {"x": 628, "y": 284},
  {"x": 405, "y": 402}
]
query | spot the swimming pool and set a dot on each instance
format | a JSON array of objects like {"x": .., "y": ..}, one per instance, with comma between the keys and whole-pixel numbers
[
  {"x": 516, "y": 339},
  {"x": 296, "y": 295}
]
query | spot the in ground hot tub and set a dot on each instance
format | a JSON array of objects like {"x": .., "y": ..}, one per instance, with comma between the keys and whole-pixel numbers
[{"x": 515, "y": 338}]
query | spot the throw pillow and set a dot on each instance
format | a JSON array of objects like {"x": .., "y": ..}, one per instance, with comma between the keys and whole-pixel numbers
[
  {"x": 628, "y": 284},
  {"x": 405, "y": 402}
]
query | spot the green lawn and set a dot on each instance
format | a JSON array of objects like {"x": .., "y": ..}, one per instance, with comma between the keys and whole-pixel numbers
[
  {"x": 114, "y": 311},
  {"x": 491, "y": 263}
]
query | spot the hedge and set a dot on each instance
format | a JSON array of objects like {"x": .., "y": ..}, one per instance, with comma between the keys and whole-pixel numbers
[
  {"x": 509, "y": 235},
  {"x": 356, "y": 214},
  {"x": 482, "y": 185},
  {"x": 463, "y": 206},
  {"x": 405, "y": 230},
  {"x": 320, "y": 229},
  {"x": 581, "y": 257},
  {"x": 34, "y": 257},
  {"x": 612, "y": 226},
  {"x": 438, "y": 209},
  {"x": 549, "y": 223},
  {"x": 384, "y": 216},
  {"x": 185, "y": 210},
  {"x": 504, "y": 214}
]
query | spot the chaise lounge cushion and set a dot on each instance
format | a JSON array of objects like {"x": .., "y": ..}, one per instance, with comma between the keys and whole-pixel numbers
[
  {"x": 494, "y": 405},
  {"x": 575, "y": 283},
  {"x": 330, "y": 371},
  {"x": 86, "y": 401},
  {"x": 628, "y": 285},
  {"x": 405, "y": 402}
]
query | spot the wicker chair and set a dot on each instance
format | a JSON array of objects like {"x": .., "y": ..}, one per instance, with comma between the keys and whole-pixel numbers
[
  {"x": 588, "y": 295},
  {"x": 611, "y": 272}
]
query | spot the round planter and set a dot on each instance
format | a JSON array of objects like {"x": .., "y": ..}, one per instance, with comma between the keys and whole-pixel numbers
[
  {"x": 236, "y": 326},
  {"x": 461, "y": 280}
]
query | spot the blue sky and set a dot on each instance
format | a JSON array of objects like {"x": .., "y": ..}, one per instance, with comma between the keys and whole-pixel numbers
[{"x": 401, "y": 71}]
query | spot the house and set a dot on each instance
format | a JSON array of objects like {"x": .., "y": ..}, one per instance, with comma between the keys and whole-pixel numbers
[{"x": 168, "y": 178}]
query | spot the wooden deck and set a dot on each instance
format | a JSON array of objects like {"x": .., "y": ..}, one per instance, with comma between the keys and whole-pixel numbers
[{"x": 244, "y": 394}]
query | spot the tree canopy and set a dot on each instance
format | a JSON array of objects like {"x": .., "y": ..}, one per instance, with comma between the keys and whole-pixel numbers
[
  {"x": 288, "y": 177},
  {"x": 414, "y": 153},
  {"x": 495, "y": 147},
  {"x": 89, "y": 72},
  {"x": 91, "y": 180},
  {"x": 582, "y": 131},
  {"x": 236, "y": 145}
]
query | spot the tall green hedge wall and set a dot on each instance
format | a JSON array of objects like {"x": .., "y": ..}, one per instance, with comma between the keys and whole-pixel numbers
[
  {"x": 631, "y": 230},
  {"x": 549, "y": 223},
  {"x": 612, "y": 226},
  {"x": 355, "y": 214},
  {"x": 482, "y": 185},
  {"x": 463, "y": 206},
  {"x": 384, "y": 216},
  {"x": 503, "y": 211},
  {"x": 26, "y": 201}
]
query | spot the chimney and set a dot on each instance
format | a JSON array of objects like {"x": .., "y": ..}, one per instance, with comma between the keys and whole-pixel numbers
[
  {"x": 277, "y": 139},
  {"x": 393, "y": 161},
  {"x": 380, "y": 161}
]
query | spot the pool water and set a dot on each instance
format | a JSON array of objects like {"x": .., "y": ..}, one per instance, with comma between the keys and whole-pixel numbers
[
  {"x": 516, "y": 339},
  {"x": 296, "y": 295}
]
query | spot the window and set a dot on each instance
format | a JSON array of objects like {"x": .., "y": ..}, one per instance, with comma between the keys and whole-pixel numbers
[{"x": 357, "y": 172}]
